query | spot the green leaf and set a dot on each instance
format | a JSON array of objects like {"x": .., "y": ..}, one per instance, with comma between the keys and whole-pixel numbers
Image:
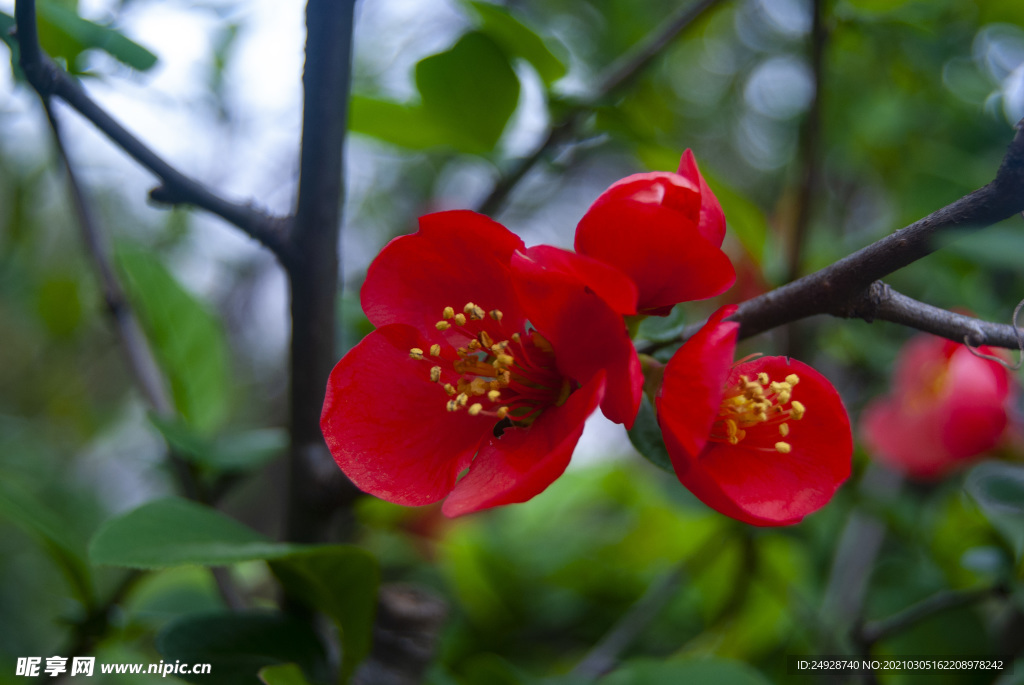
[
  {"x": 404, "y": 125},
  {"x": 518, "y": 40},
  {"x": 173, "y": 532},
  {"x": 63, "y": 33},
  {"x": 470, "y": 91},
  {"x": 703, "y": 671},
  {"x": 242, "y": 451},
  {"x": 39, "y": 520},
  {"x": 188, "y": 341},
  {"x": 341, "y": 582},
  {"x": 646, "y": 436},
  {"x": 998, "y": 488},
  {"x": 285, "y": 674},
  {"x": 663, "y": 328},
  {"x": 237, "y": 646}
]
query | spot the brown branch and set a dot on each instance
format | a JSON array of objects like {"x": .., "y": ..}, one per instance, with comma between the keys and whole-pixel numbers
[
  {"x": 874, "y": 631},
  {"x": 838, "y": 288},
  {"x": 316, "y": 485},
  {"x": 618, "y": 76},
  {"x": 176, "y": 188},
  {"x": 810, "y": 138}
]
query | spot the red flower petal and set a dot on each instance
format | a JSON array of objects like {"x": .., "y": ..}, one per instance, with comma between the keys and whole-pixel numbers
[
  {"x": 386, "y": 425},
  {"x": 693, "y": 386},
  {"x": 661, "y": 249},
  {"x": 712, "y": 218},
  {"x": 768, "y": 488},
  {"x": 523, "y": 462},
  {"x": 948, "y": 407},
  {"x": 456, "y": 257},
  {"x": 588, "y": 335}
]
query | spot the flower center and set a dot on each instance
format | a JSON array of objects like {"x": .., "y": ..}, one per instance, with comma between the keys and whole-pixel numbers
[
  {"x": 756, "y": 411},
  {"x": 494, "y": 374}
]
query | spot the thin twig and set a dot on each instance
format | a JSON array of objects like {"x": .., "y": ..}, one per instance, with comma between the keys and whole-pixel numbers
[
  {"x": 602, "y": 657},
  {"x": 176, "y": 188},
  {"x": 940, "y": 602},
  {"x": 618, "y": 76},
  {"x": 810, "y": 137}
]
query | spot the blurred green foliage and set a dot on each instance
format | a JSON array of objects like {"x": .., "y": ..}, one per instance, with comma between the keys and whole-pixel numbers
[{"x": 918, "y": 104}]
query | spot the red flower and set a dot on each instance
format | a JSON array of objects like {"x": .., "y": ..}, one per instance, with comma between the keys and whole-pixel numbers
[
  {"x": 487, "y": 356},
  {"x": 765, "y": 441},
  {"x": 664, "y": 231},
  {"x": 947, "y": 407}
]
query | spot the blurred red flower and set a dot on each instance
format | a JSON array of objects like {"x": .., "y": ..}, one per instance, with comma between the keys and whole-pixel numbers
[
  {"x": 487, "y": 356},
  {"x": 738, "y": 437},
  {"x": 665, "y": 231},
  {"x": 947, "y": 407}
]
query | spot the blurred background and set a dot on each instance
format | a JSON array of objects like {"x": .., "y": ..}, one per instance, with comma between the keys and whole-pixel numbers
[{"x": 819, "y": 130}]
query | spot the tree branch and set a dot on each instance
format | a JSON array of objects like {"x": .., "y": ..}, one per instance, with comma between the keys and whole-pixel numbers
[
  {"x": 618, "y": 76},
  {"x": 176, "y": 188},
  {"x": 316, "y": 484},
  {"x": 874, "y": 631},
  {"x": 838, "y": 288}
]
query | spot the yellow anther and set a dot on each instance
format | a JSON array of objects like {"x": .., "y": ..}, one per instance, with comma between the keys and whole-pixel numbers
[
  {"x": 515, "y": 337},
  {"x": 783, "y": 429},
  {"x": 474, "y": 344},
  {"x": 435, "y": 373},
  {"x": 469, "y": 307},
  {"x": 448, "y": 313},
  {"x": 762, "y": 378},
  {"x": 784, "y": 396},
  {"x": 452, "y": 405},
  {"x": 792, "y": 379},
  {"x": 416, "y": 353},
  {"x": 783, "y": 447},
  {"x": 477, "y": 313},
  {"x": 733, "y": 440},
  {"x": 502, "y": 412},
  {"x": 485, "y": 339},
  {"x": 496, "y": 315},
  {"x": 460, "y": 319},
  {"x": 731, "y": 428},
  {"x": 435, "y": 350},
  {"x": 462, "y": 399},
  {"x": 493, "y": 395},
  {"x": 504, "y": 361},
  {"x": 442, "y": 325},
  {"x": 796, "y": 410},
  {"x": 449, "y": 388},
  {"x": 478, "y": 386},
  {"x": 475, "y": 409}
]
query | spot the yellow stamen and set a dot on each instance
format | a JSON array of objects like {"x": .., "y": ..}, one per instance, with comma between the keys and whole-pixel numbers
[
  {"x": 502, "y": 412},
  {"x": 449, "y": 388},
  {"x": 448, "y": 313},
  {"x": 485, "y": 339},
  {"x": 496, "y": 315},
  {"x": 783, "y": 447},
  {"x": 442, "y": 325},
  {"x": 435, "y": 350},
  {"x": 475, "y": 409},
  {"x": 783, "y": 429},
  {"x": 416, "y": 353},
  {"x": 460, "y": 319},
  {"x": 792, "y": 379},
  {"x": 797, "y": 410},
  {"x": 762, "y": 378},
  {"x": 435, "y": 373},
  {"x": 462, "y": 399},
  {"x": 493, "y": 395}
]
